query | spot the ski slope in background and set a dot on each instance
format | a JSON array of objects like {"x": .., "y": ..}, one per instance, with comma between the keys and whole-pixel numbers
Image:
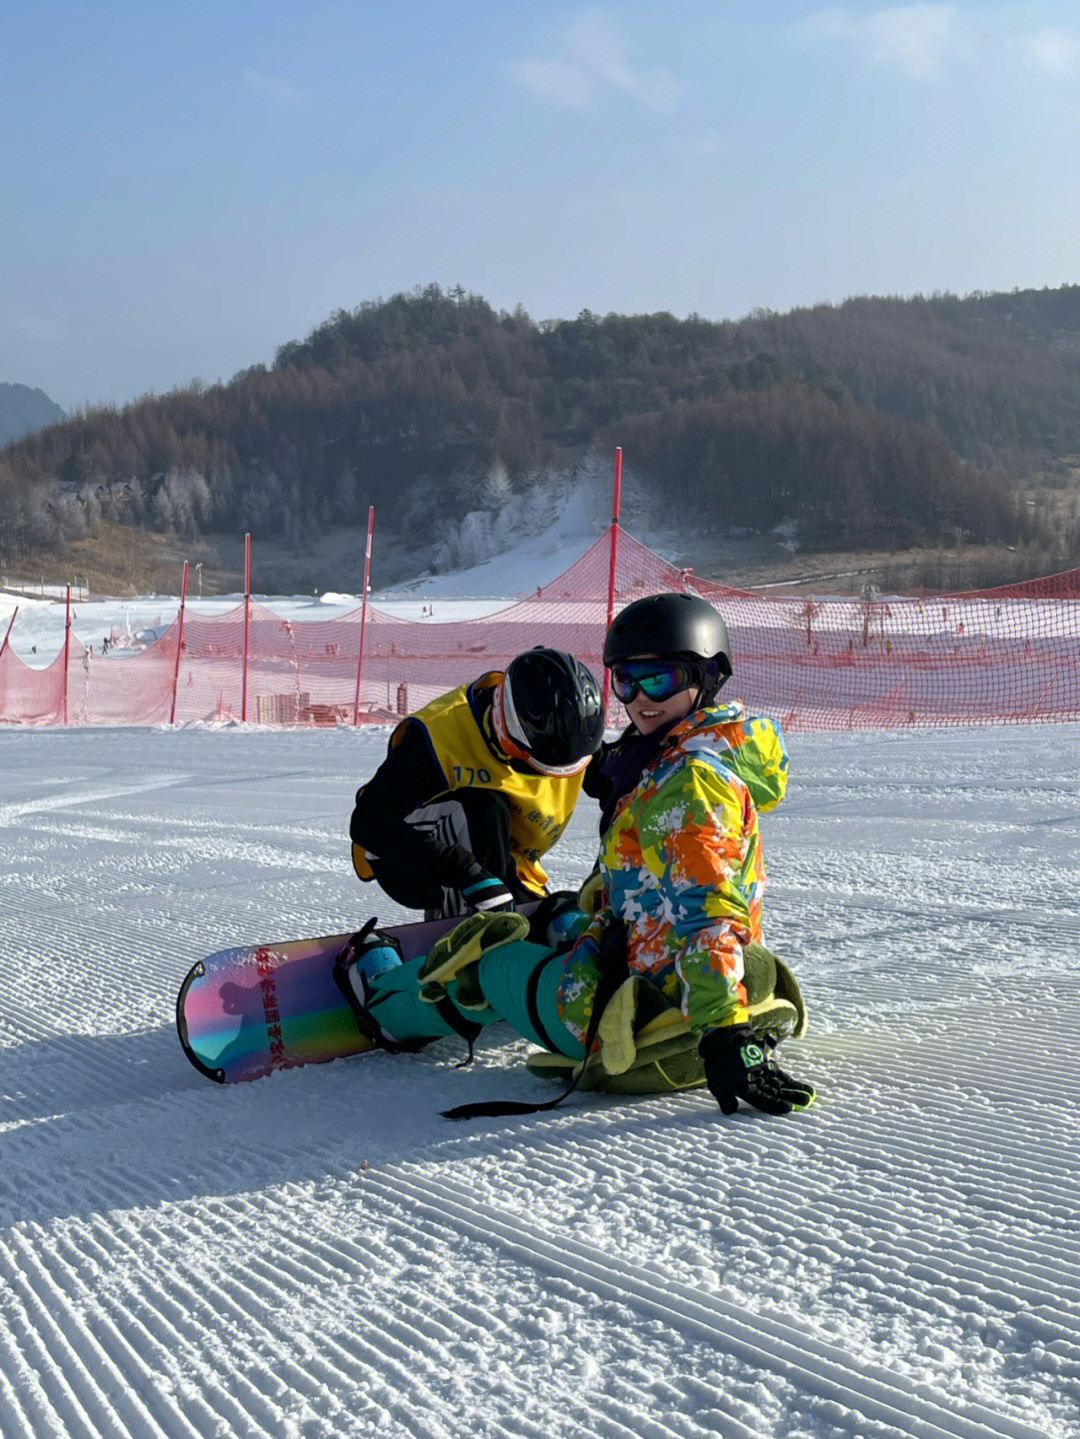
[
  {"x": 320, "y": 1254},
  {"x": 37, "y": 635}
]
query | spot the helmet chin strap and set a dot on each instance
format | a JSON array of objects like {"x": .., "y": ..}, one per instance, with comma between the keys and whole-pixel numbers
[{"x": 709, "y": 689}]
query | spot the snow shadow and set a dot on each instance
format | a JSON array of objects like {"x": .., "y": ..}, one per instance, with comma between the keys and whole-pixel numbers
[{"x": 101, "y": 1122}]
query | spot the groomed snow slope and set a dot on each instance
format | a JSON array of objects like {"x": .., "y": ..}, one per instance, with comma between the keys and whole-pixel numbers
[{"x": 320, "y": 1254}]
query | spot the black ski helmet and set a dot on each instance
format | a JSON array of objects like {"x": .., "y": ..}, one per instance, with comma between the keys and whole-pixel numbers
[
  {"x": 673, "y": 625},
  {"x": 548, "y": 711}
]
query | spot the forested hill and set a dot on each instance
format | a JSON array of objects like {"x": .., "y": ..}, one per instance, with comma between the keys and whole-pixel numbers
[{"x": 877, "y": 422}]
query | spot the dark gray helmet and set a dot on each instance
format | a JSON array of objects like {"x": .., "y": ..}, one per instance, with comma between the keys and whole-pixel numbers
[{"x": 671, "y": 625}]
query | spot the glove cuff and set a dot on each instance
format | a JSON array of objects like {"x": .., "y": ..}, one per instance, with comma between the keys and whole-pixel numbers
[
  {"x": 487, "y": 893},
  {"x": 725, "y": 1038}
]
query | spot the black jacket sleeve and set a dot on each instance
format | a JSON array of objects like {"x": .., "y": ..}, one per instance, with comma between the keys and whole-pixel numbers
[
  {"x": 597, "y": 783},
  {"x": 409, "y": 777}
]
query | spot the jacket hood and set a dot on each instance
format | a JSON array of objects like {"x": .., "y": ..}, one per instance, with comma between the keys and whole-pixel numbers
[{"x": 752, "y": 746}]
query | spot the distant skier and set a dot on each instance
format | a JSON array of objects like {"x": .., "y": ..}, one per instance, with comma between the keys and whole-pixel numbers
[
  {"x": 478, "y": 785},
  {"x": 670, "y": 975}
]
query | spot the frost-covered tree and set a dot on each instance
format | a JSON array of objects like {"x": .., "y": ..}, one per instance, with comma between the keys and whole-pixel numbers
[
  {"x": 162, "y": 510},
  {"x": 496, "y": 490},
  {"x": 473, "y": 540}
]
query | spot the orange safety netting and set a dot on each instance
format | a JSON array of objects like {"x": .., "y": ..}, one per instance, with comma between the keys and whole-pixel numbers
[{"x": 1010, "y": 655}]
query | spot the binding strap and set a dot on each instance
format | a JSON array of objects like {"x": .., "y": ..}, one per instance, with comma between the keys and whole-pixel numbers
[{"x": 366, "y": 1022}]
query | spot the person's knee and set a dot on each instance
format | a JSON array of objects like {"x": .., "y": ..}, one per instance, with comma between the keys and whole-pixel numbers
[{"x": 521, "y": 982}]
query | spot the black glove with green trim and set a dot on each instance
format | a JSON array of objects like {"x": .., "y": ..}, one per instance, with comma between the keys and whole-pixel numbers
[{"x": 738, "y": 1065}]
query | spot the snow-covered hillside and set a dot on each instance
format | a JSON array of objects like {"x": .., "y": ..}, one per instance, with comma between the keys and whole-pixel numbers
[
  {"x": 320, "y": 1254},
  {"x": 531, "y": 551},
  {"x": 538, "y": 554}
]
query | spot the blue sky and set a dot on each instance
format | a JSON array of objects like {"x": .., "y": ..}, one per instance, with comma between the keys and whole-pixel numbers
[{"x": 184, "y": 187}]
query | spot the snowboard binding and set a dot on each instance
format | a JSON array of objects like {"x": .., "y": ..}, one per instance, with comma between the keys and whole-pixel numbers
[{"x": 365, "y": 955}]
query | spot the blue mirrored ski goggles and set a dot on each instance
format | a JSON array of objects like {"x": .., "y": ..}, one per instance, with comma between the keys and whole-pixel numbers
[{"x": 658, "y": 679}]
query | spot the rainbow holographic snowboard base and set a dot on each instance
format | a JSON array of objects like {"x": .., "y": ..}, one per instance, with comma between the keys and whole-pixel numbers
[{"x": 244, "y": 1012}]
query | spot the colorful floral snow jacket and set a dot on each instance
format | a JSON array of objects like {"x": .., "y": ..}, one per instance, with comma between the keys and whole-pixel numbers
[{"x": 681, "y": 864}]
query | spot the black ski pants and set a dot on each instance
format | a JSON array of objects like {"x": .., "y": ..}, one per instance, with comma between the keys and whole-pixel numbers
[{"x": 477, "y": 820}]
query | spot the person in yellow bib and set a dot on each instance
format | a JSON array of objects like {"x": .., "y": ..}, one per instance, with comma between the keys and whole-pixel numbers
[{"x": 478, "y": 785}]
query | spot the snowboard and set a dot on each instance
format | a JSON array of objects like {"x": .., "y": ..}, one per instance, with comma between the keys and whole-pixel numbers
[{"x": 243, "y": 1012}]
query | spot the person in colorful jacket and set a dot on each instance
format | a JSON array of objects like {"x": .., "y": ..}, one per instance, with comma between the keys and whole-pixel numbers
[
  {"x": 478, "y": 785},
  {"x": 670, "y": 975},
  {"x": 681, "y": 866}
]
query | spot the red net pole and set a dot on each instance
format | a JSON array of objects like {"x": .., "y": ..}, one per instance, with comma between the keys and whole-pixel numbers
[
  {"x": 67, "y": 651},
  {"x": 7, "y": 632},
  {"x": 363, "y": 611},
  {"x": 247, "y": 623},
  {"x": 615, "y": 506},
  {"x": 179, "y": 644}
]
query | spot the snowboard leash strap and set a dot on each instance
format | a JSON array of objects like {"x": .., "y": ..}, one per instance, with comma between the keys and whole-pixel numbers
[
  {"x": 533, "y": 1008},
  {"x": 468, "y": 1029},
  {"x": 613, "y": 970}
]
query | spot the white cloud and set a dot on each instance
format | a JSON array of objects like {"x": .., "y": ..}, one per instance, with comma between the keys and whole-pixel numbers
[
  {"x": 915, "y": 38},
  {"x": 293, "y": 97},
  {"x": 594, "y": 60},
  {"x": 1054, "y": 51},
  {"x": 831, "y": 24},
  {"x": 554, "y": 80}
]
